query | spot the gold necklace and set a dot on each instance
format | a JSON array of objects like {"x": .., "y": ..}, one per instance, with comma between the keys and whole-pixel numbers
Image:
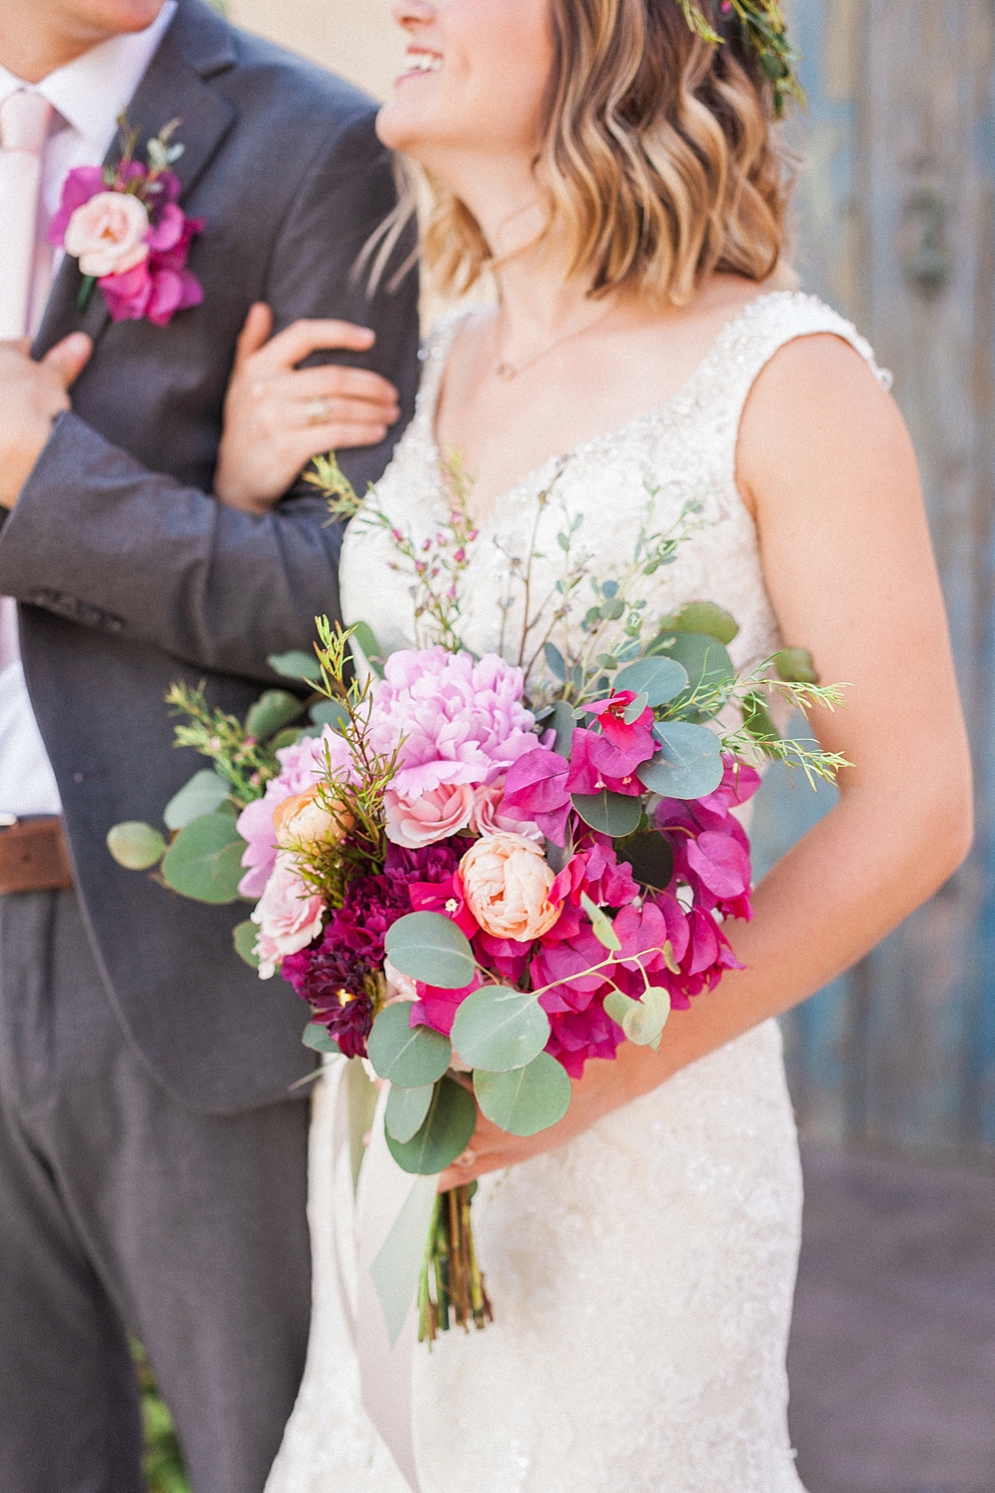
[{"x": 507, "y": 371}]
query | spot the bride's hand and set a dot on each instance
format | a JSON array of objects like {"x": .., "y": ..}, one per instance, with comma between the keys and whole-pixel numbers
[
  {"x": 606, "y": 1086},
  {"x": 278, "y": 416}
]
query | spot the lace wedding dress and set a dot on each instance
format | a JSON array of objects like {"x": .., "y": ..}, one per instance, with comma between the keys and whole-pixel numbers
[{"x": 642, "y": 1274}]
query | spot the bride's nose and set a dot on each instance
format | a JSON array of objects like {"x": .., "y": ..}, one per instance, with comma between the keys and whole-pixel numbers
[{"x": 413, "y": 12}]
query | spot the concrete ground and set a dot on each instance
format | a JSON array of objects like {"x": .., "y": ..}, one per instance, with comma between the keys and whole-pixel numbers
[{"x": 892, "y": 1356}]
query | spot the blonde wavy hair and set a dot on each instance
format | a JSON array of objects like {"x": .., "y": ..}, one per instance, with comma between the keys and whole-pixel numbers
[{"x": 659, "y": 159}]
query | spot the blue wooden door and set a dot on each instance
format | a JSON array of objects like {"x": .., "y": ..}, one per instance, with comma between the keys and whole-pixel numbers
[{"x": 897, "y": 229}]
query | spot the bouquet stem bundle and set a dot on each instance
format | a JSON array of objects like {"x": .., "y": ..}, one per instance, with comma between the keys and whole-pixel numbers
[{"x": 451, "y": 1287}]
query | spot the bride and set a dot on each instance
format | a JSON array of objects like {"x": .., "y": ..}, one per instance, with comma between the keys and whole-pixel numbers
[{"x": 621, "y": 178}]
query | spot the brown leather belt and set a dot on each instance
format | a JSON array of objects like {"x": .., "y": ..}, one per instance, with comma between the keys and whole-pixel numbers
[{"x": 34, "y": 857}]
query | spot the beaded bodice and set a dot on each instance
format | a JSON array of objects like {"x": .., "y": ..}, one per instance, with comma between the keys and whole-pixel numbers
[{"x": 678, "y": 456}]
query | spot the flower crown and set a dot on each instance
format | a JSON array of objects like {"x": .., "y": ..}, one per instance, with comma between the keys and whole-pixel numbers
[{"x": 764, "y": 30}]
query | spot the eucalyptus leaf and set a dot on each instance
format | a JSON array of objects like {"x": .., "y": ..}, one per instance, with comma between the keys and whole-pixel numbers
[
  {"x": 271, "y": 712},
  {"x": 651, "y": 857},
  {"x": 796, "y": 666},
  {"x": 525, "y": 1100},
  {"x": 703, "y": 617},
  {"x": 329, "y": 713},
  {"x": 319, "y": 1039},
  {"x": 499, "y": 1029},
  {"x": 444, "y": 1133},
  {"x": 204, "y": 862},
  {"x": 430, "y": 947},
  {"x": 704, "y": 659},
  {"x": 409, "y": 1056},
  {"x": 688, "y": 765},
  {"x": 601, "y": 924},
  {"x": 635, "y": 707},
  {"x": 563, "y": 723},
  {"x": 614, "y": 814},
  {"x": 290, "y": 737},
  {"x": 643, "y": 1020},
  {"x": 554, "y": 661},
  {"x": 295, "y": 665},
  {"x": 660, "y": 679},
  {"x": 406, "y": 1111},
  {"x": 134, "y": 845},
  {"x": 244, "y": 936},
  {"x": 203, "y": 794}
]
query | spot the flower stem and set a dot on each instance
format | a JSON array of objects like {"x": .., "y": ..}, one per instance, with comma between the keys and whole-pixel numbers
[{"x": 451, "y": 1287}]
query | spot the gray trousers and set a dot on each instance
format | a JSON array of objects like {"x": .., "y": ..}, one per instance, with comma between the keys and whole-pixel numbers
[{"x": 122, "y": 1211}]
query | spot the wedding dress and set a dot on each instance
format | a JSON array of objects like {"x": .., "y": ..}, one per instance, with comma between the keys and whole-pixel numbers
[{"x": 642, "y": 1274}]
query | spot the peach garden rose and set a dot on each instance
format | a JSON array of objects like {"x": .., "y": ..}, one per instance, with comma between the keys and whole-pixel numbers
[{"x": 506, "y": 881}]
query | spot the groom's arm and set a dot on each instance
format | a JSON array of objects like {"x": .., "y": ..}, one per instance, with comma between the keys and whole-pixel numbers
[{"x": 98, "y": 538}]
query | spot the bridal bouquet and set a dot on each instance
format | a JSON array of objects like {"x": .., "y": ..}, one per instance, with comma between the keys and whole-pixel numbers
[{"x": 477, "y": 888}]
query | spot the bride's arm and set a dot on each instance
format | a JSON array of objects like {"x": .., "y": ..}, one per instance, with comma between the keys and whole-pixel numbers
[{"x": 826, "y": 464}]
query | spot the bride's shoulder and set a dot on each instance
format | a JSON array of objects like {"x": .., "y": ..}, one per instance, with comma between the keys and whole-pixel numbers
[{"x": 793, "y": 326}]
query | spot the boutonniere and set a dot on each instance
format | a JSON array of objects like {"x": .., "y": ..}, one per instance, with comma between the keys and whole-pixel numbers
[{"x": 131, "y": 238}]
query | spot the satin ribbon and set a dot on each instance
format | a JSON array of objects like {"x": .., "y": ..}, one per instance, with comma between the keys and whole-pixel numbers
[{"x": 394, "y": 1213}]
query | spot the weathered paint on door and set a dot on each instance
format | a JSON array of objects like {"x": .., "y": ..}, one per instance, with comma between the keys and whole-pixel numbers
[{"x": 896, "y": 227}]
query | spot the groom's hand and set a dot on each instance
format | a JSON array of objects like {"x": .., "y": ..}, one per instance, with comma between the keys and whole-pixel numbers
[
  {"x": 279, "y": 416},
  {"x": 32, "y": 395}
]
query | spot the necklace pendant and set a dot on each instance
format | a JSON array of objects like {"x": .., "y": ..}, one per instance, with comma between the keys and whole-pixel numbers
[{"x": 507, "y": 371}]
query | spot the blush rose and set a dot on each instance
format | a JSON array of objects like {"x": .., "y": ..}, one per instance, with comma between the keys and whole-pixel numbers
[
  {"x": 287, "y": 914},
  {"x": 108, "y": 234}
]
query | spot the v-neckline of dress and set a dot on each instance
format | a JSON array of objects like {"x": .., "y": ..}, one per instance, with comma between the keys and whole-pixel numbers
[{"x": 648, "y": 417}]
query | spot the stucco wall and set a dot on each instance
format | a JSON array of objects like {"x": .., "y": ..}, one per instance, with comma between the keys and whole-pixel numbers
[{"x": 356, "y": 38}]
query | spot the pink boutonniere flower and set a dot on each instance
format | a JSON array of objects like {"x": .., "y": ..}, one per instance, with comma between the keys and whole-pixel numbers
[{"x": 124, "y": 226}]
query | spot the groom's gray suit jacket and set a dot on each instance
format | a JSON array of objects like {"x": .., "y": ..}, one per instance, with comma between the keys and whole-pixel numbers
[{"x": 130, "y": 575}]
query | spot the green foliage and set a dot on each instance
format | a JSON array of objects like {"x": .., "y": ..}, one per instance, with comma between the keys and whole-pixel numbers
[
  {"x": 317, "y": 1037},
  {"x": 703, "y": 617},
  {"x": 272, "y": 711},
  {"x": 134, "y": 845},
  {"x": 795, "y": 666},
  {"x": 406, "y": 1111},
  {"x": 162, "y": 1460},
  {"x": 650, "y": 856},
  {"x": 444, "y": 1133},
  {"x": 612, "y": 814},
  {"x": 689, "y": 764},
  {"x": 525, "y": 1100},
  {"x": 245, "y": 765},
  {"x": 205, "y": 860},
  {"x": 660, "y": 679},
  {"x": 243, "y": 937},
  {"x": 430, "y": 947},
  {"x": 703, "y": 658},
  {"x": 205, "y": 792},
  {"x": 643, "y": 1020},
  {"x": 295, "y": 665},
  {"x": 601, "y": 924},
  {"x": 499, "y": 1029},
  {"x": 408, "y": 1056}
]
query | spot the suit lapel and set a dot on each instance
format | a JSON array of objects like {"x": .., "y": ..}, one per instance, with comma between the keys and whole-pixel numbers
[{"x": 197, "y": 46}]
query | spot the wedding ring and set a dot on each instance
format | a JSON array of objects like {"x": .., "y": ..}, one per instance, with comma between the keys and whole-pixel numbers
[
  {"x": 316, "y": 411},
  {"x": 468, "y": 1157}
]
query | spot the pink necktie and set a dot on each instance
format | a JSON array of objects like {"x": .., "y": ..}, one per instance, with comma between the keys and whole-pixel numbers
[{"x": 24, "y": 121}]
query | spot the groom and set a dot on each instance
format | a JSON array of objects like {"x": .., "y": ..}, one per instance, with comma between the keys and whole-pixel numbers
[{"x": 152, "y": 1162}]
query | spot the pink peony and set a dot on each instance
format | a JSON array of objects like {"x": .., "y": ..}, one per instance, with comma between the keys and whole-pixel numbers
[
  {"x": 288, "y": 915},
  {"x": 300, "y": 767},
  {"x": 436, "y": 815},
  {"x": 507, "y": 881},
  {"x": 453, "y": 720},
  {"x": 107, "y": 234}
]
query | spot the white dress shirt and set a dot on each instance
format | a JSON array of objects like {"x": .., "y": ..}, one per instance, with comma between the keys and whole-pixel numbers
[{"x": 88, "y": 95}]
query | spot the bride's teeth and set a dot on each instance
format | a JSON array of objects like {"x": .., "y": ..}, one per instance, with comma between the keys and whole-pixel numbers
[{"x": 424, "y": 62}]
